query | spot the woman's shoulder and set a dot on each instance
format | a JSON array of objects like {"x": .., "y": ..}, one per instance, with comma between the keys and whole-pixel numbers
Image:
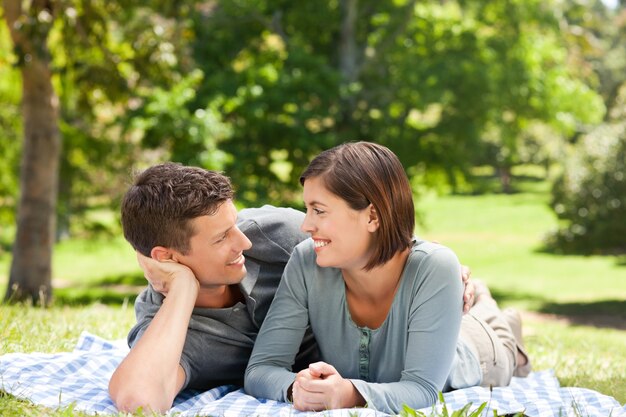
[
  {"x": 304, "y": 254},
  {"x": 306, "y": 248},
  {"x": 430, "y": 260}
]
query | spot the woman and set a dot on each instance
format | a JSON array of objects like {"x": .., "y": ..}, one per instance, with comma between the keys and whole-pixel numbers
[{"x": 385, "y": 307}]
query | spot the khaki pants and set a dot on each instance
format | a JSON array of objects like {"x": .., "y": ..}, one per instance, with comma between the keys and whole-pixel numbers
[{"x": 493, "y": 341}]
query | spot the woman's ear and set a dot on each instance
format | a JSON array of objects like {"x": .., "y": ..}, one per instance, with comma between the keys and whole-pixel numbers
[
  {"x": 373, "y": 222},
  {"x": 161, "y": 253}
]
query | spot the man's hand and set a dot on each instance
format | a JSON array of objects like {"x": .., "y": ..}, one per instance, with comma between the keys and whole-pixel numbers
[
  {"x": 320, "y": 387},
  {"x": 470, "y": 290},
  {"x": 161, "y": 274},
  {"x": 150, "y": 378}
]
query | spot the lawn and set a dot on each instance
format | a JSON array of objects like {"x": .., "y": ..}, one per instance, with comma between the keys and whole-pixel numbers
[
  {"x": 574, "y": 306},
  {"x": 500, "y": 238}
]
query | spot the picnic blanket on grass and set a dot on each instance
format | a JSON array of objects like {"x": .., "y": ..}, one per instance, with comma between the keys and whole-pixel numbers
[{"x": 80, "y": 379}]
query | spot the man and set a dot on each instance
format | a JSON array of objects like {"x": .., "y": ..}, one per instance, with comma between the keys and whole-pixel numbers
[{"x": 212, "y": 272}]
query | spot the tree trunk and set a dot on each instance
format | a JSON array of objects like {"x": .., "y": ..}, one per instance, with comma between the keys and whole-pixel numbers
[
  {"x": 348, "y": 44},
  {"x": 31, "y": 267},
  {"x": 348, "y": 65},
  {"x": 504, "y": 172}
]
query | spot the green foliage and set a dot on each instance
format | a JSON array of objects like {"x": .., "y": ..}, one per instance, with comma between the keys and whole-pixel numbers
[
  {"x": 166, "y": 121},
  {"x": 444, "y": 85},
  {"x": 590, "y": 196},
  {"x": 537, "y": 97},
  {"x": 276, "y": 91},
  {"x": 107, "y": 56},
  {"x": 595, "y": 35},
  {"x": 106, "y": 53},
  {"x": 442, "y": 411},
  {"x": 257, "y": 87},
  {"x": 10, "y": 137},
  {"x": 409, "y": 412}
]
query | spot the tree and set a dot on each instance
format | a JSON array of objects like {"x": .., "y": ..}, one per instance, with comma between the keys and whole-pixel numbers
[
  {"x": 10, "y": 138},
  {"x": 104, "y": 58},
  {"x": 30, "y": 274},
  {"x": 589, "y": 195},
  {"x": 441, "y": 83},
  {"x": 595, "y": 34},
  {"x": 108, "y": 56}
]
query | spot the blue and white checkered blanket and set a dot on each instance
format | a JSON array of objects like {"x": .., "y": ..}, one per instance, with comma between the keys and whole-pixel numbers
[{"x": 80, "y": 378}]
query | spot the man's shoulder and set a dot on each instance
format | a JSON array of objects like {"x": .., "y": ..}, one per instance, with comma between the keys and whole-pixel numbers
[
  {"x": 268, "y": 215},
  {"x": 273, "y": 231}
]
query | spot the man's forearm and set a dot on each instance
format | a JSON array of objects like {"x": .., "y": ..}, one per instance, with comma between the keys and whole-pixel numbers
[{"x": 150, "y": 376}]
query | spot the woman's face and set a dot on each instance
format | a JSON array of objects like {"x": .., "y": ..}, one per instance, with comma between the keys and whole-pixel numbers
[{"x": 343, "y": 236}]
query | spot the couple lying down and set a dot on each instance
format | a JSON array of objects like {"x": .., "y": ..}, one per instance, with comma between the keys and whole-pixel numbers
[{"x": 338, "y": 307}]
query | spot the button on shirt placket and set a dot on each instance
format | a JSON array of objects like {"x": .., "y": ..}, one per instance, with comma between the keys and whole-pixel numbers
[{"x": 364, "y": 354}]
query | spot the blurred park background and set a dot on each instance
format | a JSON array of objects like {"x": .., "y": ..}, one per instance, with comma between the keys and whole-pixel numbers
[{"x": 508, "y": 115}]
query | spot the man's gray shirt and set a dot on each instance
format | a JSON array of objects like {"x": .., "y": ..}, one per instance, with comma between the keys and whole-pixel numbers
[{"x": 219, "y": 340}]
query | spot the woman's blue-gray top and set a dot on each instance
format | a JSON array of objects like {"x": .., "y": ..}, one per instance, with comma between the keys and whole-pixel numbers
[{"x": 407, "y": 360}]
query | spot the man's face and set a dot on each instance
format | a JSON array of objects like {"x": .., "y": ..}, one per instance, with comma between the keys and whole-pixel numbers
[{"x": 216, "y": 249}]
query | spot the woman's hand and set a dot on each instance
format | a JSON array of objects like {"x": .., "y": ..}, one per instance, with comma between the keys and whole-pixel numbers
[
  {"x": 320, "y": 387},
  {"x": 161, "y": 274}
]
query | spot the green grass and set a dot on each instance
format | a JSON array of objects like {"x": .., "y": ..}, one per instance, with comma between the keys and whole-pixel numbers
[
  {"x": 55, "y": 329},
  {"x": 102, "y": 258},
  {"x": 581, "y": 356},
  {"x": 87, "y": 271},
  {"x": 82, "y": 260},
  {"x": 498, "y": 236}
]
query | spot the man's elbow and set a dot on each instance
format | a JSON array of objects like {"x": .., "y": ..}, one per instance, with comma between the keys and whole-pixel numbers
[{"x": 132, "y": 399}]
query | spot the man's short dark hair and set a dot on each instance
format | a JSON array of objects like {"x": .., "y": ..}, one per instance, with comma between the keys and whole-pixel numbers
[{"x": 158, "y": 208}]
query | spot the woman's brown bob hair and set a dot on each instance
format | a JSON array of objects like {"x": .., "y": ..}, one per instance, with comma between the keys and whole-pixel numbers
[{"x": 361, "y": 173}]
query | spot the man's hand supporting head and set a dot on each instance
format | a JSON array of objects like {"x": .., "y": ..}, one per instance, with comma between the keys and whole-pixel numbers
[{"x": 151, "y": 376}]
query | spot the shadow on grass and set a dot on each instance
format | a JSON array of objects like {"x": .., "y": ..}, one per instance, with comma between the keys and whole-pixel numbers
[
  {"x": 115, "y": 289},
  {"x": 546, "y": 249},
  {"x": 501, "y": 296},
  {"x": 604, "y": 313},
  {"x": 549, "y": 249},
  {"x": 600, "y": 313}
]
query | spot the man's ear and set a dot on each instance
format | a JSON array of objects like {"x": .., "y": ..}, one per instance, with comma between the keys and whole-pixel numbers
[
  {"x": 373, "y": 222},
  {"x": 161, "y": 253}
]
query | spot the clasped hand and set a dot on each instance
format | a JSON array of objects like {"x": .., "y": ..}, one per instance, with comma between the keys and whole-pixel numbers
[{"x": 320, "y": 387}]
